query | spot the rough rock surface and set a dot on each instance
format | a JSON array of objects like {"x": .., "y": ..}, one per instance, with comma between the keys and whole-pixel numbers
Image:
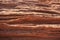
[{"x": 29, "y": 19}]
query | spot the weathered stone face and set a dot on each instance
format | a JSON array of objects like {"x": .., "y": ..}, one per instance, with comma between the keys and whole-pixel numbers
[{"x": 29, "y": 20}]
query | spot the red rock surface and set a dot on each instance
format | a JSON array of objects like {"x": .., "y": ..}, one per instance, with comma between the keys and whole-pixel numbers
[{"x": 29, "y": 19}]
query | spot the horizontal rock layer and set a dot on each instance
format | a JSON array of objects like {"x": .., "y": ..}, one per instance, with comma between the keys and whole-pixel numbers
[{"x": 29, "y": 19}]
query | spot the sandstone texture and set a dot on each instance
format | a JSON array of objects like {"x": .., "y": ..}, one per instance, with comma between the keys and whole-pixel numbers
[{"x": 29, "y": 19}]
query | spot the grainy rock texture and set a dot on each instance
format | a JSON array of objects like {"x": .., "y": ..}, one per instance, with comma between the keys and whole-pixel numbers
[{"x": 29, "y": 19}]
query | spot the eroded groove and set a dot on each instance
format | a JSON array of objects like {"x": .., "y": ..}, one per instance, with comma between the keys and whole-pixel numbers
[
  {"x": 7, "y": 18},
  {"x": 20, "y": 31},
  {"x": 32, "y": 3},
  {"x": 43, "y": 11},
  {"x": 35, "y": 20}
]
